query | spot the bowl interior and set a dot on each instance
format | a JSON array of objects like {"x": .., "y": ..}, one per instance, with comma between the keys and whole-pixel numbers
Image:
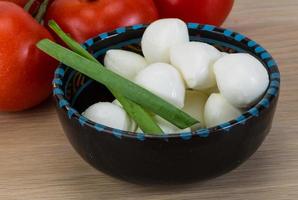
[{"x": 81, "y": 92}]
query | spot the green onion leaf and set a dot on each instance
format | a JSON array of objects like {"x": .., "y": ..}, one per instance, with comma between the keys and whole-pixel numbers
[
  {"x": 71, "y": 43},
  {"x": 110, "y": 79},
  {"x": 139, "y": 115}
]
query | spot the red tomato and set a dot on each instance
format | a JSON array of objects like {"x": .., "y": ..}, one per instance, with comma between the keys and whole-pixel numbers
[
  {"x": 25, "y": 72},
  {"x": 34, "y": 8},
  {"x": 84, "y": 19},
  {"x": 19, "y": 2},
  {"x": 200, "y": 11}
]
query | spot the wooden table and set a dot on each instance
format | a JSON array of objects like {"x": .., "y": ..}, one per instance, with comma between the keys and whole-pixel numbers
[{"x": 37, "y": 161}]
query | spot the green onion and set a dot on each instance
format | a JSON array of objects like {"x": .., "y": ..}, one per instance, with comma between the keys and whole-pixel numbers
[
  {"x": 140, "y": 116},
  {"x": 71, "y": 43},
  {"x": 129, "y": 89}
]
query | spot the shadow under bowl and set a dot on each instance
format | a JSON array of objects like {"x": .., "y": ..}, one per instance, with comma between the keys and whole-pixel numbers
[{"x": 138, "y": 157}]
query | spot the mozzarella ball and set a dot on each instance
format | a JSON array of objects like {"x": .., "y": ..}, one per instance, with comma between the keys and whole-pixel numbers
[
  {"x": 224, "y": 53},
  {"x": 218, "y": 110},
  {"x": 209, "y": 91},
  {"x": 166, "y": 127},
  {"x": 139, "y": 130},
  {"x": 241, "y": 79},
  {"x": 169, "y": 128},
  {"x": 195, "y": 105},
  {"x": 109, "y": 114},
  {"x": 160, "y": 36},
  {"x": 124, "y": 63},
  {"x": 133, "y": 126},
  {"x": 164, "y": 81},
  {"x": 116, "y": 102},
  {"x": 195, "y": 62}
]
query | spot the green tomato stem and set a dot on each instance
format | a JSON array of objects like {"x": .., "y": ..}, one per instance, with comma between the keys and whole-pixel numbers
[
  {"x": 28, "y": 5},
  {"x": 42, "y": 10}
]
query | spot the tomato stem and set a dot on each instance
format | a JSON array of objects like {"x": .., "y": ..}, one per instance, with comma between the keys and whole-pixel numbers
[
  {"x": 42, "y": 10},
  {"x": 28, "y": 5}
]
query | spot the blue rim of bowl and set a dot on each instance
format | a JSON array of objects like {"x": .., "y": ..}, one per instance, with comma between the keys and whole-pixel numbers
[{"x": 271, "y": 92}]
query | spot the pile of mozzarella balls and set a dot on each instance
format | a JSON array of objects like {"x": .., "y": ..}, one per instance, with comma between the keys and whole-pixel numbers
[{"x": 212, "y": 86}]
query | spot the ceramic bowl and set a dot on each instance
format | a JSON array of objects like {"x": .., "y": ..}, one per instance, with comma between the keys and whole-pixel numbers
[{"x": 191, "y": 156}]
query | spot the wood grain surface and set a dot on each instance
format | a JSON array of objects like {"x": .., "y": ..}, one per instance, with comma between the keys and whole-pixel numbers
[{"x": 37, "y": 161}]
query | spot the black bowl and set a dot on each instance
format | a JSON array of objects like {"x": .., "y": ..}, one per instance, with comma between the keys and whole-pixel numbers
[{"x": 192, "y": 156}]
